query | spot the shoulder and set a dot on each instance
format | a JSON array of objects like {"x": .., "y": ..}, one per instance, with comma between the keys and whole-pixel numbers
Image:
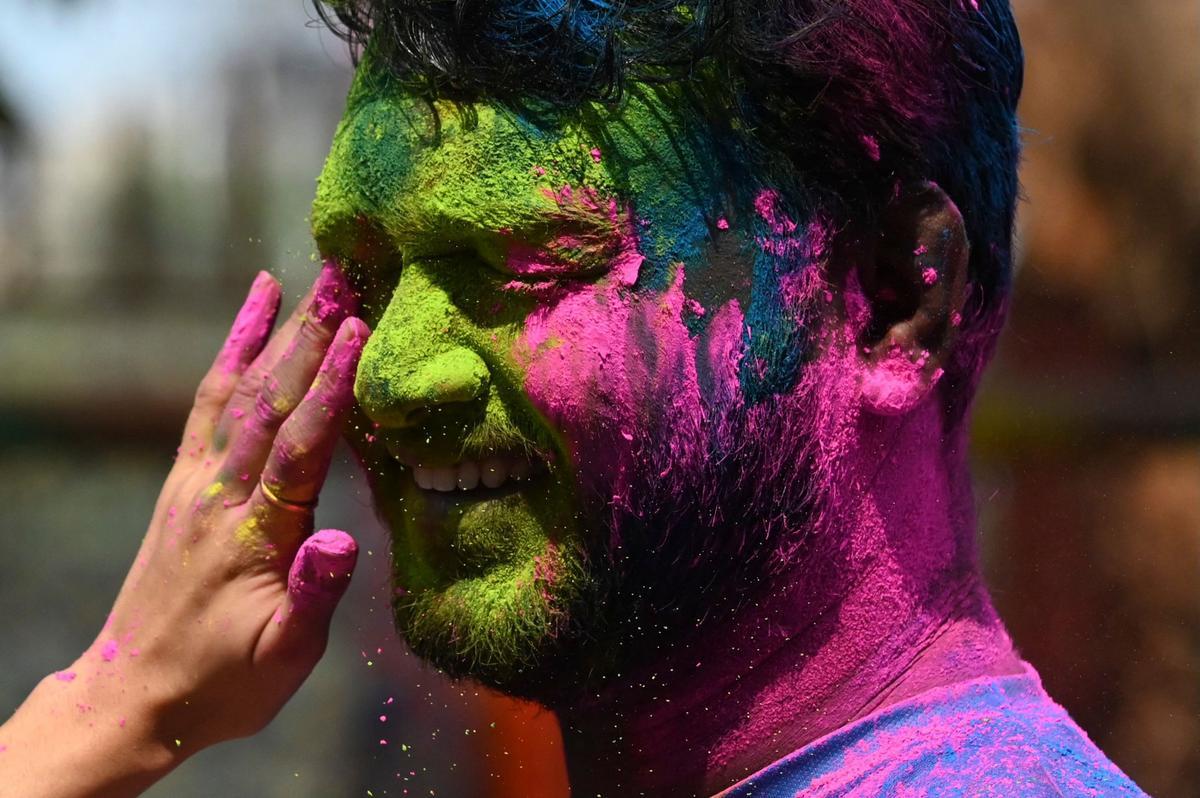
[{"x": 1001, "y": 736}]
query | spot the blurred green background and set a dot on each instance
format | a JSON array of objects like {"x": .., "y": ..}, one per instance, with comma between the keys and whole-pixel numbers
[{"x": 154, "y": 155}]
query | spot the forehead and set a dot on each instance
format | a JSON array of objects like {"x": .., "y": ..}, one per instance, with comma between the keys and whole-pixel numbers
[{"x": 420, "y": 167}]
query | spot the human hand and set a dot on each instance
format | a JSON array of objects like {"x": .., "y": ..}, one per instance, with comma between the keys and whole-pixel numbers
[{"x": 227, "y": 607}]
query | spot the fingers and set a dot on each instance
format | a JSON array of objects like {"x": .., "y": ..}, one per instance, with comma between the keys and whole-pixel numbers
[
  {"x": 272, "y": 386},
  {"x": 287, "y": 382},
  {"x": 300, "y": 455},
  {"x": 317, "y": 580},
  {"x": 245, "y": 341}
]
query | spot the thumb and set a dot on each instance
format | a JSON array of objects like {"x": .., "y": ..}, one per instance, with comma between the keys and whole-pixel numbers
[{"x": 318, "y": 579}]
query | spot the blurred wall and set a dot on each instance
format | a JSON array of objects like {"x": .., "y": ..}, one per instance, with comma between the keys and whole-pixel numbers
[
  {"x": 1088, "y": 429},
  {"x": 153, "y": 156}
]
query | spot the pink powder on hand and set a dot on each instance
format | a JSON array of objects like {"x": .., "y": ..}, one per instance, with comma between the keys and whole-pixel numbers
[
  {"x": 332, "y": 297},
  {"x": 321, "y": 568},
  {"x": 252, "y": 325}
]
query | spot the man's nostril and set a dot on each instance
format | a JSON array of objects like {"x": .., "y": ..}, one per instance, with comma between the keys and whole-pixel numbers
[{"x": 416, "y": 417}]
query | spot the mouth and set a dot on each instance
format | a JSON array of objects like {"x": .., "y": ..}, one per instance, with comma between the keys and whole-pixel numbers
[{"x": 495, "y": 471}]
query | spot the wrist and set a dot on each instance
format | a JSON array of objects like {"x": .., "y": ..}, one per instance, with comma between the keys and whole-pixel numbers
[{"x": 82, "y": 732}]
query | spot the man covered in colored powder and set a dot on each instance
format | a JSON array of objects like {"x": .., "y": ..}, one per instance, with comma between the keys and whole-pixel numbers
[{"x": 677, "y": 311}]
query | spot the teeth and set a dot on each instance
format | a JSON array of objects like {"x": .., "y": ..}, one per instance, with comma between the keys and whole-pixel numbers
[
  {"x": 492, "y": 472},
  {"x": 423, "y": 478},
  {"x": 520, "y": 470},
  {"x": 444, "y": 478},
  {"x": 468, "y": 475}
]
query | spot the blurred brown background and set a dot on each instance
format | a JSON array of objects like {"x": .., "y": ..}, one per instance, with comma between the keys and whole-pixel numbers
[{"x": 154, "y": 155}]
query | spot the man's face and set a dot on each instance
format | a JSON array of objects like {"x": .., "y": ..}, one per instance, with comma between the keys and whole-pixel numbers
[{"x": 569, "y": 312}]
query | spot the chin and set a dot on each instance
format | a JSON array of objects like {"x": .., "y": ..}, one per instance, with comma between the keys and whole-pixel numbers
[{"x": 515, "y": 628}]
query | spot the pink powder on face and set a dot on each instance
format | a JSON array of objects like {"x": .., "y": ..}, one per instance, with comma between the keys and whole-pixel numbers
[
  {"x": 929, "y": 275},
  {"x": 766, "y": 205},
  {"x": 871, "y": 145},
  {"x": 601, "y": 361},
  {"x": 602, "y": 237}
]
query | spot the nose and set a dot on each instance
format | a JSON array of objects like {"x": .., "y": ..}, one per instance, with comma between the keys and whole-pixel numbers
[{"x": 395, "y": 391}]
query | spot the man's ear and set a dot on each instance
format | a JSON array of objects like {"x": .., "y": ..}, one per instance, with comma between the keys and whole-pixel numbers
[{"x": 914, "y": 280}]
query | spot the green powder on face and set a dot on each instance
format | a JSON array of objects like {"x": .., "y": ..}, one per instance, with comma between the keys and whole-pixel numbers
[{"x": 421, "y": 203}]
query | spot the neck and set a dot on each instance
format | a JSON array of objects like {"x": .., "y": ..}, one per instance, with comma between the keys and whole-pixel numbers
[{"x": 886, "y": 603}]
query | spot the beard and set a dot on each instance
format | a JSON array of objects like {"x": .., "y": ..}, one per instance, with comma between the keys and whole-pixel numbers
[
  {"x": 707, "y": 517},
  {"x": 717, "y": 495}
]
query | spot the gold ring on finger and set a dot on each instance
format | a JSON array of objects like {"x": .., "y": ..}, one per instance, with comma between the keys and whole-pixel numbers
[{"x": 276, "y": 500}]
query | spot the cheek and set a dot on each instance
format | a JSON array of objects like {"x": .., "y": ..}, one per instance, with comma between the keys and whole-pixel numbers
[
  {"x": 585, "y": 373},
  {"x": 617, "y": 373}
]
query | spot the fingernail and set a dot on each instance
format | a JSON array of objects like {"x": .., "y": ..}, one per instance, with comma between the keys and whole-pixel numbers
[
  {"x": 353, "y": 330},
  {"x": 332, "y": 298}
]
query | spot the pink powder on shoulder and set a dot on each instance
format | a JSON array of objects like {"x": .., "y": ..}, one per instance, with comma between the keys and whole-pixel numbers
[
  {"x": 109, "y": 651},
  {"x": 65, "y": 676}
]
